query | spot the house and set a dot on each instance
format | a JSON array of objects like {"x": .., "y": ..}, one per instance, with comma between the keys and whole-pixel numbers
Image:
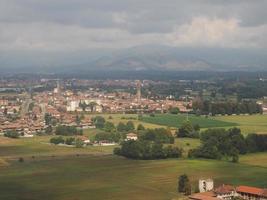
[
  {"x": 251, "y": 193},
  {"x": 204, "y": 196},
  {"x": 131, "y": 136},
  {"x": 84, "y": 139},
  {"x": 226, "y": 192},
  {"x": 105, "y": 143}
]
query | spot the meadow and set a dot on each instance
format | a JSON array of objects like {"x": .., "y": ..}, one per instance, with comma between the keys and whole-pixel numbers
[
  {"x": 177, "y": 120},
  {"x": 248, "y": 123},
  {"x": 112, "y": 177},
  {"x": 65, "y": 173}
]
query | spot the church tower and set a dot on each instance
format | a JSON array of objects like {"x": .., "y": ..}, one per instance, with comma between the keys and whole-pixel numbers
[{"x": 138, "y": 91}]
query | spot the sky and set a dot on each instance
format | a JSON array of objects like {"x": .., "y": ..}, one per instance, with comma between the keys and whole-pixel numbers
[{"x": 76, "y": 25}]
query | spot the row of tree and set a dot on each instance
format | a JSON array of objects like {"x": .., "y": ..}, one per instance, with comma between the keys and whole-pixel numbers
[
  {"x": 225, "y": 107},
  {"x": 12, "y": 134},
  {"x": 68, "y": 141},
  {"x": 146, "y": 150},
  {"x": 108, "y": 126},
  {"x": 158, "y": 135},
  {"x": 68, "y": 130}
]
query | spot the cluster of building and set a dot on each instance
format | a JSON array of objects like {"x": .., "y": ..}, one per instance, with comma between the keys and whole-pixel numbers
[
  {"x": 26, "y": 112},
  {"x": 227, "y": 192}
]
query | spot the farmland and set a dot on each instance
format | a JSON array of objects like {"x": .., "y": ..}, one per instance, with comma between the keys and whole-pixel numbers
[
  {"x": 111, "y": 177},
  {"x": 177, "y": 120},
  {"x": 248, "y": 123},
  {"x": 57, "y": 172}
]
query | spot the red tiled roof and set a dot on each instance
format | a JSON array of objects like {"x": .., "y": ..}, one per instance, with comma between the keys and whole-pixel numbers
[
  {"x": 224, "y": 189},
  {"x": 252, "y": 190},
  {"x": 204, "y": 196}
]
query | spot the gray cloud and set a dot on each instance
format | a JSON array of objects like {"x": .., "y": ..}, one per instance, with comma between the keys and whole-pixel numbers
[{"x": 83, "y": 24}]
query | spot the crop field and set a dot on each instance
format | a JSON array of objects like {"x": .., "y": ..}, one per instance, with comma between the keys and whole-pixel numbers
[
  {"x": 248, "y": 123},
  {"x": 177, "y": 120}
]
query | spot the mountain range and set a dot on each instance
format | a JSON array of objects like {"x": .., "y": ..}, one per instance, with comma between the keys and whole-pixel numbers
[{"x": 149, "y": 57}]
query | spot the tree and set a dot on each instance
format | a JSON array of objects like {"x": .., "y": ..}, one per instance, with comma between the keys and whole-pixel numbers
[
  {"x": 79, "y": 143},
  {"x": 48, "y": 119},
  {"x": 49, "y": 129},
  {"x": 109, "y": 127},
  {"x": 183, "y": 183},
  {"x": 92, "y": 106},
  {"x": 235, "y": 157},
  {"x": 121, "y": 127},
  {"x": 12, "y": 134},
  {"x": 140, "y": 127},
  {"x": 174, "y": 110},
  {"x": 68, "y": 130},
  {"x": 187, "y": 130},
  {"x": 130, "y": 126},
  {"x": 77, "y": 119},
  {"x": 57, "y": 140},
  {"x": 99, "y": 121},
  {"x": 83, "y": 105},
  {"x": 70, "y": 141}
]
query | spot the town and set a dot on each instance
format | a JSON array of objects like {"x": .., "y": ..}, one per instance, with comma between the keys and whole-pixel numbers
[{"x": 27, "y": 112}]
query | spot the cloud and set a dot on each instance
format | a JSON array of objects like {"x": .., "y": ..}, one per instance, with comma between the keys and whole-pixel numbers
[{"x": 82, "y": 24}]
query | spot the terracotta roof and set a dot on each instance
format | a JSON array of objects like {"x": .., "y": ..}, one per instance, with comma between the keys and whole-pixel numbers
[
  {"x": 224, "y": 189},
  {"x": 204, "y": 196},
  {"x": 252, "y": 190}
]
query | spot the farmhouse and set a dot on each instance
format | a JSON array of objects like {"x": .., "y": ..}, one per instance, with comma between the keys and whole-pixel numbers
[
  {"x": 251, "y": 193},
  {"x": 228, "y": 192},
  {"x": 131, "y": 136},
  {"x": 84, "y": 139}
]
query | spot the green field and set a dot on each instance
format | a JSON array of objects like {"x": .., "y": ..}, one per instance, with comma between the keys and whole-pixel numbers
[
  {"x": 248, "y": 123},
  {"x": 177, "y": 120},
  {"x": 66, "y": 173},
  {"x": 111, "y": 177},
  {"x": 39, "y": 146},
  {"x": 93, "y": 173},
  {"x": 116, "y": 118}
]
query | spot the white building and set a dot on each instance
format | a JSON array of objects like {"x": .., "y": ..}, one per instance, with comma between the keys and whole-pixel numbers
[
  {"x": 131, "y": 136},
  {"x": 73, "y": 105},
  {"x": 206, "y": 185}
]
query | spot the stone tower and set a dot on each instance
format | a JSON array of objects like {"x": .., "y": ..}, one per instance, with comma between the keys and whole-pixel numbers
[
  {"x": 138, "y": 91},
  {"x": 205, "y": 185}
]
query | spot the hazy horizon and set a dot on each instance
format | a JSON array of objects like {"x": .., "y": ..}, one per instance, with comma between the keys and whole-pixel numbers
[{"x": 85, "y": 34}]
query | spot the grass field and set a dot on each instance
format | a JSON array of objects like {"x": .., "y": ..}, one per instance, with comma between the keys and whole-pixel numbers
[
  {"x": 39, "y": 146},
  {"x": 116, "y": 118},
  {"x": 111, "y": 177},
  {"x": 64, "y": 173},
  {"x": 177, "y": 120},
  {"x": 248, "y": 123}
]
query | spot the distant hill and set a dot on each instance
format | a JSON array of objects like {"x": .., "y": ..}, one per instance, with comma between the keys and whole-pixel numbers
[{"x": 149, "y": 57}]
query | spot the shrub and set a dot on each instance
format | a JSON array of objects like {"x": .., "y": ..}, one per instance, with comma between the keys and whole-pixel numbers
[
  {"x": 57, "y": 140},
  {"x": 70, "y": 141},
  {"x": 79, "y": 143},
  {"x": 12, "y": 134}
]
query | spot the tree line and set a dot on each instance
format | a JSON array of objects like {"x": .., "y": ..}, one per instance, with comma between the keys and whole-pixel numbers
[
  {"x": 207, "y": 107},
  {"x": 222, "y": 143},
  {"x": 147, "y": 150}
]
